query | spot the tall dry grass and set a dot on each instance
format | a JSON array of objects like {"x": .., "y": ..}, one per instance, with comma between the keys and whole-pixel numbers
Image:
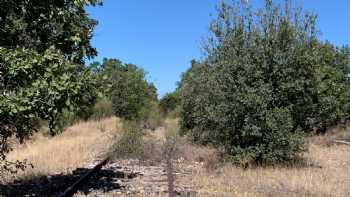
[
  {"x": 75, "y": 147},
  {"x": 328, "y": 176},
  {"x": 326, "y": 171}
]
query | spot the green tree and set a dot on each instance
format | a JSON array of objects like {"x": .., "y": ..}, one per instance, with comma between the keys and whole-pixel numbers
[
  {"x": 333, "y": 87},
  {"x": 130, "y": 93},
  {"x": 43, "y": 45},
  {"x": 40, "y": 24},
  {"x": 169, "y": 102},
  {"x": 38, "y": 86},
  {"x": 126, "y": 86},
  {"x": 255, "y": 93}
]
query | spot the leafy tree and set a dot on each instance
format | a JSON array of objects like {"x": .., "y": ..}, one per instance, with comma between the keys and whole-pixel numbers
[
  {"x": 43, "y": 45},
  {"x": 40, "y": 24},
  {"x": 333, "y": 99},
  {"x": 256, "y": 92},
  {"x": 37, "y": 86},
  {"x": 125, "y": 85},
  {"x": 169, "y": 102},
  {"x": 130, "y": 93}
]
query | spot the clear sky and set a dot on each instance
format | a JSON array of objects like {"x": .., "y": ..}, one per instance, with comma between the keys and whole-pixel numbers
[{"x": 163, "y": 36}]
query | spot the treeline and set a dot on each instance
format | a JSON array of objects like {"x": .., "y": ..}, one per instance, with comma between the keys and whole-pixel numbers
[{"x": 267, "y": 82}]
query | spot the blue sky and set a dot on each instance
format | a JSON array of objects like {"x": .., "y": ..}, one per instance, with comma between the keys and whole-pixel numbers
[{"x": 163, "y": 36}]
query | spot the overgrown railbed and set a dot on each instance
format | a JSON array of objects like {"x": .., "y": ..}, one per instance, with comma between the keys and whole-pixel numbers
[{"x": 197, "y": 170}]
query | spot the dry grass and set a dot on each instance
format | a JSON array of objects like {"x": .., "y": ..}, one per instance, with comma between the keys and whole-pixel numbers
[
  {"x": 331, "y": 179},
  {"x": 326, "y": 172},
  {"x": 338, "y": 133},
  {"x": 73, "y": 148}
]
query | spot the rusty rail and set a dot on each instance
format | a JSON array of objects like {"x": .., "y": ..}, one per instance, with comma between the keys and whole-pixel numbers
[
  {"x": 70, "y": 191},
  {"x": 341, "y": 142}
]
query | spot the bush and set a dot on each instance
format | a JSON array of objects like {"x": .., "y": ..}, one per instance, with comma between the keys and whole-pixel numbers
[
  {"x": 43, "y": 45},
  {"x": 169, "y": 102},
  {"x": 66, "y": 119},
  {"x": 333, "y": 87},
  {"x": 102, "y": 109},
  {"x": 153, "y": 117},
  {"x": 132, "y": 96},
  {"x": 256, "y": 92},
  {"x": 54, "y": 84},
  {"x": 130, "y": 144}
]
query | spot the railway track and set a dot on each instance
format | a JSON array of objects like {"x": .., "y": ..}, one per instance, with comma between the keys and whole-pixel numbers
[{"x": 70, "y": 191}]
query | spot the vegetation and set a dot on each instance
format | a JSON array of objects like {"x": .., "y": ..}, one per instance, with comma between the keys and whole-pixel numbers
[
  {"x": 332, "y": 106},
  {"x": 169, "y": 102},
  {"x": 265, "y": 89},
  {"x": 133, "y": 98},
  {"x": 42, "y": 49},
  {"x": 267, "y": 79},
  {"x": 130, "y": 144},
  {"x": 39, "y": 25},
  {"x": 102, "y": 109},
  {"x": 84, "y": 142},
  {"x": 65, "y": 152}
]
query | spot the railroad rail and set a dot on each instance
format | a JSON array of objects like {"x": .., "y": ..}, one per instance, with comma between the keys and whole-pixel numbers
[{"x": 70, "y": 191}]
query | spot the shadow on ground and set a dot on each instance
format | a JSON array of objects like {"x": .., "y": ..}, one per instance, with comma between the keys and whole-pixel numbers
[{"x": 105, "y": 180}]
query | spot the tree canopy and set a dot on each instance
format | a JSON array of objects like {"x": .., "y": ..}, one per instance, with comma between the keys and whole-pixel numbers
[{"x": 40, "y": 24}]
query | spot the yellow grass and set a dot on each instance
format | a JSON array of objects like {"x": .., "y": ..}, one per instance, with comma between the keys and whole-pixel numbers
[
  {"x": 326, "y": 172},
  {"x": 73, "y": 148},
  {"x": 84, "y": 141},
  {"x": 332, "y": 179}
]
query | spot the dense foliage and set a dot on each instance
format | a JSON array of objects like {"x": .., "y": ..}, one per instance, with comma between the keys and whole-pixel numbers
[
  {"x": 125, "y": 85},
  {"x": 333, "y": 93},
  {"x": 43, "y": 45},
  {"x": 40, "y": 24},
  {"x": 267, "y": 79},
  {"x": 169, "y": 102},
  {"x": 37, "y": 86}
]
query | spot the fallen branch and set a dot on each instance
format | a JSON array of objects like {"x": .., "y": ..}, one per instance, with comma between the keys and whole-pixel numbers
[
  {"x": 70, "y": 191},
  {"x": 341, "y": 142}
]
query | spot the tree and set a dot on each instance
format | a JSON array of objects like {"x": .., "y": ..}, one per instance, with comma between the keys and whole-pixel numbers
[
  {"x": 37, "y": 86},
  {"x": 333, "y": 86},
  {"x": 40, "y": 24},
  {"x": 43, "y": 45},
  {"x": 169, "y": 102},
  {"x": 125, "y": 85},
  {"x": 256, "y": 92}
]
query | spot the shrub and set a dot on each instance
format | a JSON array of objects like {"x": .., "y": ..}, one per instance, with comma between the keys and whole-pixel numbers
[
  {"x": 130, "y": 144},
  {"x": 175, "y": 113},
  {"x": 171, "y": 146},
  {"x": 153, "y": 117},
  {"x": 169, "y": 102},
  {"x": 132, "y": 96},
  {"x": 102, "y": 109},
  {"x": 255, "y": 93},
  {"x": 66, "y": 119},
  {"x": 333, "y": 87}
]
